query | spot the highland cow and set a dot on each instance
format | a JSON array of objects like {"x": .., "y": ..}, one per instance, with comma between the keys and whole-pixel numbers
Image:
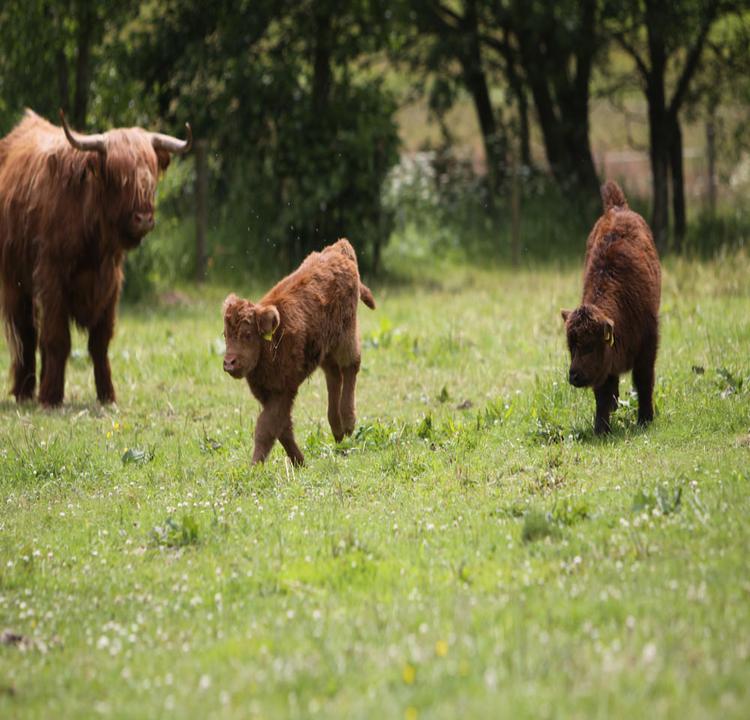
[
  {"x": 71, "y": 205},
  {"x": 309, "y": 319},
  {"x": 616, "y": 328}
]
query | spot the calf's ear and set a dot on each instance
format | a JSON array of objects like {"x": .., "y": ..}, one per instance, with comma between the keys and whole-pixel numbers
[
  {"x": 230, "y": 301},
  {"x": 268, "y": 320},
  {"x": 609, "y": 332},
  {"x": 564, "y": 314}
]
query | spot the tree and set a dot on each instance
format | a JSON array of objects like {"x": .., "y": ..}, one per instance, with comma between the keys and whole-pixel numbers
[
  {"x": 60, "y": 39},
  {"x": 302, "y": 141},
  {"x": 457, "y": 37},
  {"x": 665, "y": 40},
  {"x": 551, "y": 48}
]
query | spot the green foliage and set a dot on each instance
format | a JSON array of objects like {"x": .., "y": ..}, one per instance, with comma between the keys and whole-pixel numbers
[{"x": 175, "y": 533}]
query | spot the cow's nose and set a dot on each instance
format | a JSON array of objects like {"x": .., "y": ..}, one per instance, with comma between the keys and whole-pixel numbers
[
  {"x": 230, "y": 363},
  {"x": 144, "y": 219}
]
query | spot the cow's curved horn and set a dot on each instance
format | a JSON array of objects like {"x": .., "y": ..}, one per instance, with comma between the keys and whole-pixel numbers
[
  {"x": 172, "y": 144},
  {"x": 87, "y": 143}
]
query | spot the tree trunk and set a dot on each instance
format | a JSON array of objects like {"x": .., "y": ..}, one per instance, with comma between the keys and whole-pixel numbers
[
  {"x": 62, "y": 81},
  {"x": 678, "y": 183},
  {"x": 711, "y": 159},
  {"x": 86, "y": 22},
  {"x": 304, "y": 240},
  {"x": 659, "y": 155},
  {"x": 658, "y": 125},
  {"x": 476, "y": 81},
  {"x": 561, "y": 97}
]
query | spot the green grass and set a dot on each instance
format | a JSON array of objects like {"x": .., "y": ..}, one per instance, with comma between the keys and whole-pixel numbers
[{"x": 490, "y": 561}]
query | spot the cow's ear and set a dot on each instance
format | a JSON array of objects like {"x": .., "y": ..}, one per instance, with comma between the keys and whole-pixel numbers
[
  {"x": 163, "y": 158},
  {"x": 268, "y": 320},
  {"x": 565, "y": 314}
]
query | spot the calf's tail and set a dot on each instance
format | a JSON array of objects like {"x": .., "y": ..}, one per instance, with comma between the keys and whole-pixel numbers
[
  {"x": 365, "y": 295},
  {"x": 613, "y": 196}
]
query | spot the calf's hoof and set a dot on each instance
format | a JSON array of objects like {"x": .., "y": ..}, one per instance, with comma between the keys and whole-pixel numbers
[{"x": 602, "y": 427}]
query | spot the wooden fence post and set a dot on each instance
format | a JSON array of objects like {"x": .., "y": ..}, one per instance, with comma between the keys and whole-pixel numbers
[{"x": 201, "y": 208}]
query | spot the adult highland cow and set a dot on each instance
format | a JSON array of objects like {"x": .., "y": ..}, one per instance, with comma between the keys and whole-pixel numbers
[{"x": 71, "y": 205}]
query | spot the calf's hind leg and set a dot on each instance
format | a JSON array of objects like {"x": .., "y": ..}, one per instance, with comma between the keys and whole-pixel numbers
[
  {"x": 643, "y": 379},
  {"x": 19, "y": 313},
  {"x": 348, "y": 411},
  {"x": 334, "y": 384}
]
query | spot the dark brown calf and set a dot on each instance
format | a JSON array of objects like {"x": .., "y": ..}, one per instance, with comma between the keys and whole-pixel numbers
[
  {"x": 616, "y": 328},
  {"x": 309, "y": 319}
]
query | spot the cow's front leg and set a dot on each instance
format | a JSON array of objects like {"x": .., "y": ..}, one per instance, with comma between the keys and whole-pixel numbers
[
  {"x": 54, "y": 342},
  {"x": 273, "y": 420},
  {"x": 100, "y": 336}
]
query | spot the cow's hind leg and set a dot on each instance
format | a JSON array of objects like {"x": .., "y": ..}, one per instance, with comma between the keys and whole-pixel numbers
[
  {"x": 19, "y": 318},
  {"x": 100, "y": 336},
  {"x": 348, "y": 410},
  {"x": 334, "y": 382}
]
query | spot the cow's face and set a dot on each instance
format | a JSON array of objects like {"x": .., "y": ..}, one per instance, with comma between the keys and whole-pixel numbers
[
  {"x": 131, "y": 171},
  {"x": 125, "y": 164},
  {"x": 591, "y": 339},
  {"x": 246, "y": 328}
]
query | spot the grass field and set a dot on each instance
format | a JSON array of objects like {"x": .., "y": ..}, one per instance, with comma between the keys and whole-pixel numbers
[{"x": 474, "y": 551}]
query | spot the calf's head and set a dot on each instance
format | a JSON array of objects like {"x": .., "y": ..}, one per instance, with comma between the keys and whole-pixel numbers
[
  {"x": 124, "y": 164},
  {"x": 246, "y": 328},
  {"x": 591, "y": 339}
]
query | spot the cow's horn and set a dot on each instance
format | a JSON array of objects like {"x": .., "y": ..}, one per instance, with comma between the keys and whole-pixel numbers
[
  {"x": 172, "y": 144},
  {"x": 87, "y": 143}
]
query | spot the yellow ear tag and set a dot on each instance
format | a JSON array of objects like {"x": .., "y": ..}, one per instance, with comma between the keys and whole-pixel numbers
[
  {"x": 268, "y": 336},
  {"x": 610, "y": 338}
]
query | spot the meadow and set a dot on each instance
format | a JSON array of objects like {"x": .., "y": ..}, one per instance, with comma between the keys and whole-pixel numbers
[{"x": 473, "y": 550}]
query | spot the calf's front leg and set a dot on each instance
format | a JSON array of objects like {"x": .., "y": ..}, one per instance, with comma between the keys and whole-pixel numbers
[
  {"x": 606, "y": 401},
  {"x": 274, "y": 421}
]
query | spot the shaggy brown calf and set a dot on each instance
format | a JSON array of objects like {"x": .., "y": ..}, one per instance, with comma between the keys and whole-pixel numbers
[
  {"x": 307, "y": 320},
  {"x": 70, "y": 206},
  {"x": 616, "y": 328}
]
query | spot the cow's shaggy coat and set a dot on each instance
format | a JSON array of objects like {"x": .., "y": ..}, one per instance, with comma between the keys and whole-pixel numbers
[
  {"x": 70, "y": 207},
  {"x": 616, "y": 327},
  {"x": 307, "y": 320}
]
